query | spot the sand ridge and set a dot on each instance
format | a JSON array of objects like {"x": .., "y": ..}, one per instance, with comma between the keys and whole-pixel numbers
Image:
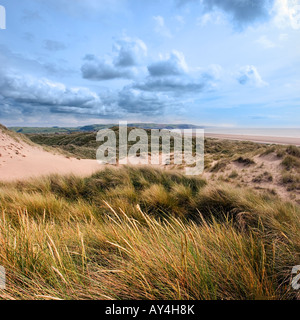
[{"x": 20, "y": 160}]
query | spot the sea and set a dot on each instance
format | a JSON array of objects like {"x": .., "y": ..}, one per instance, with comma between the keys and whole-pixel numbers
[{"x": 268, "y": 132}]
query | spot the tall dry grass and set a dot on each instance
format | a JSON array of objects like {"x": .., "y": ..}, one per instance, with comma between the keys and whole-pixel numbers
[{"x": 145, "y": 234}]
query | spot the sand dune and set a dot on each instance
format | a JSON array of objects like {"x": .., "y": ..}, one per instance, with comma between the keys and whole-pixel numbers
[{"x": 20, "y": 160}]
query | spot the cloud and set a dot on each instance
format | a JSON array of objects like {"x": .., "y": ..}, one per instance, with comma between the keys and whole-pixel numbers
[
  {"x": 29, "y": 16},
  {"x": 283, "y": 37},
  {"x": 27, "y": 96},
  {"x": 212, "y": 72},
  {"x": 30, "y": 66},
  {"x": 179, "y": 85},
  {"x": 180, "y": 20},
  {"x": 160, "y": 27},
  {"x": 123, "y": 63},
  {"x": 248, "y": 75},
  {"x": 52, "y": 45},
  {"x": 174, "y": 65},
  {"x": 99, "y": 69},
  {"x": 265, "y": 42},
  {"x": 172, "y": 75},
  {"x": 36, "y": 93},
  {"x": 146, "y": 103},
  {"x": 28, "y": 36},
  {"x": 241, "y": 12},
  {"x": 287, "y": 14},
  {"x": 86, "y": 8},
  {"x": 175, "y": 85},
  {"x": 130, "y": 52},
  {"x": 210, "y": 17}
]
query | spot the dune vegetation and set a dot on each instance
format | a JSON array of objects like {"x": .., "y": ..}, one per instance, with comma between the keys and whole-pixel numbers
[
  {"x": 145, "y": 233},
  {"x": 273, "y": 168}
]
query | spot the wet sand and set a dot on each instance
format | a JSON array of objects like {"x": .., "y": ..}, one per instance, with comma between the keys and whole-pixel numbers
[{"x": 258, "y": 139}]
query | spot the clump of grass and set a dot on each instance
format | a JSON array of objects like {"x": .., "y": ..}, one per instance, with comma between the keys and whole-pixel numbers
[
  {"x": 264, "y": 177},
  {"x": 233, "y": 175},
  {"x": 290, "y": 162},
  {"x": 293, "y": 151},
  {"x": 219, "y": 166},
  {"x": 290, "y": 178},
  {"x": 269, "y": 150},
  {"x": 145, "y": 234},
  {"x": 280, "y": 153},
  {"x": 245, "y": 161},
  {"x": 292, "y": 181}
]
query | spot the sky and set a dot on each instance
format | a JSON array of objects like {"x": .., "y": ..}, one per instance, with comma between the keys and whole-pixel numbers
[{"x": 226, "y": 63}]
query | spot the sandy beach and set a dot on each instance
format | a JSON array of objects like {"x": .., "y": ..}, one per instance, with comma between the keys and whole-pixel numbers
[{"x": 258, "y": 139}]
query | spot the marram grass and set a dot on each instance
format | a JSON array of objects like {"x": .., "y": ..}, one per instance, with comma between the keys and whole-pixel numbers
[{"x": 145, "y": 234}]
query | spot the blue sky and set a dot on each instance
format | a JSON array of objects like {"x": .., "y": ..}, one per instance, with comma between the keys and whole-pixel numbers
[{"x": 208, "y": 62}]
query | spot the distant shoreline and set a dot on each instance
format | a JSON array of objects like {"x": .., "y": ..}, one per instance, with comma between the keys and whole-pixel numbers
[{"x": 258, "y": 139}]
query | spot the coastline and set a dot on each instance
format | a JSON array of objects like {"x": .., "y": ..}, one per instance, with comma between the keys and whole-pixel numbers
[{"x": 257, "y": 139}]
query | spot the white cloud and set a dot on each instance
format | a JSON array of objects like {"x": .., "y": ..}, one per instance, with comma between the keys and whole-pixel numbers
[
  {"x": 248, "y": 75},
  {"x": 172, "y": 75},
  {"x": 180, "y": 20},
  {"x": 123, "y": 62},
  {"x": 130, "y": 52},
  {"x": 266, "y": 42},
  {"x": 43, "y": 91},
  {"x": 135, "y": 101},
  {"x": 283, "y": 37},
  {"x": 160, "y": 27},
  {"x": 31, "y": 95},
  {"x": 98, "y": 69},
  {"x": 210, "y": 17},
  {"x": 287, "y": 14},
  {"x": 173, "y": 64}
]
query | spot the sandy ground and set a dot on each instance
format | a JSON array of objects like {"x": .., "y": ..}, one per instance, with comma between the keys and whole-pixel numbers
[
  {"x": 19, "y": 161},
  {"x": 260, "y": 139}
]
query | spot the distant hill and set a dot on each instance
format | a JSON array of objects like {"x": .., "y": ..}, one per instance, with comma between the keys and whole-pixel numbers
[{"x": 96, "y": 127}]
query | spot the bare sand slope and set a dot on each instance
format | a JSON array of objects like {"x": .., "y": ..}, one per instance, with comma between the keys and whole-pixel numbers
[
  {"x": 20, "y": 160},
  {"x": 259, "y": 139}
]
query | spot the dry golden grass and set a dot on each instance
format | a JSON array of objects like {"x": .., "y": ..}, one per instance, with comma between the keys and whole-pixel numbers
[{"x": 145, "y": 234}]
